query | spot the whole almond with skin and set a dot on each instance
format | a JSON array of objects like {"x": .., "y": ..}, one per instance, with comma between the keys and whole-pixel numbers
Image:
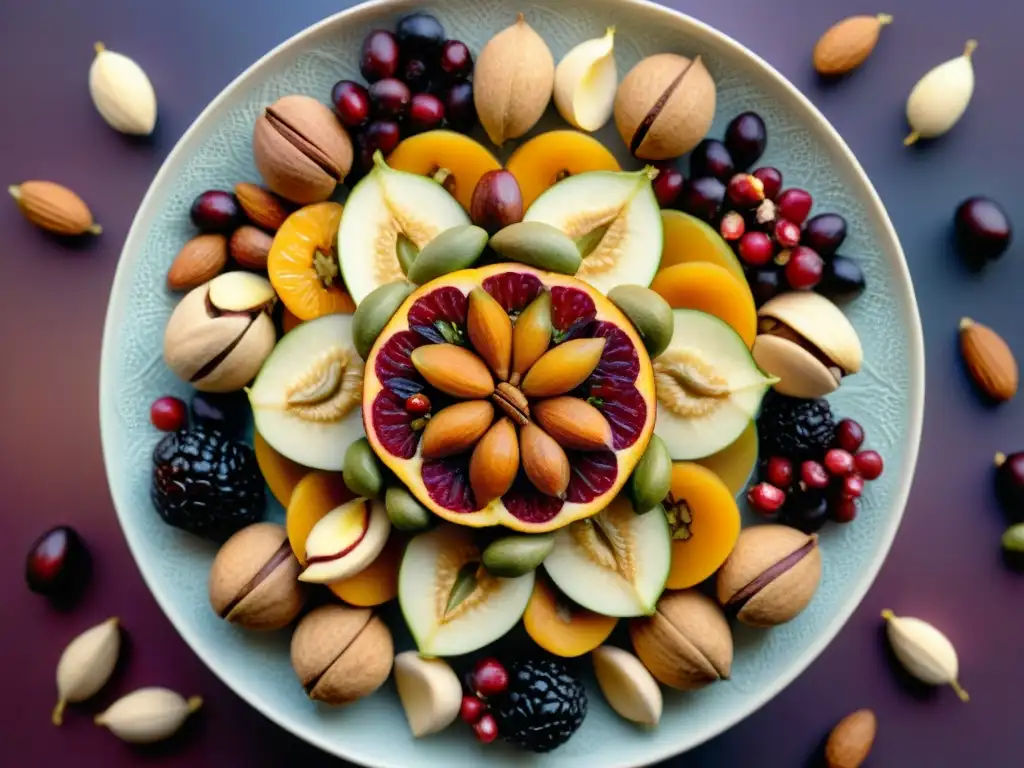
[
  {"x": 263, "y": 207},
  {"x": 851, "y": 740},
  {"x": 201, "y": 259},
  {"x": 848, "y": 43},
  {"x": 250, "y": 247},
  {"x": 54, "y": 207},
  {"x": 456, "y": 428},
  {"x": 989, "y": 360}
]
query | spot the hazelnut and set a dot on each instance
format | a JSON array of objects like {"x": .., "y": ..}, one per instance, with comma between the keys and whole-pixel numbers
[
  {"x": 341, "y": 654},
  {"x": 771, "y": 575},
  {"x": 687, "y": 643},
  {"x": 301, "y": 150},
  {"x": 221, "y": 332},
  {"x": 254, "y": 579},
  {"x": 665, "y": 106}
]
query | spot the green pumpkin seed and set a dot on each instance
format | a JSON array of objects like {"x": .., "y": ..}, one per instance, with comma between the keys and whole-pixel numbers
[
  {"x": 374, "y": 312},
  {"x": 404, "y": 511},
  {"x": 361, "y": 470},
  {"x": 454, "y": 249},
  {"x": 652, "y": 478},
  {"x": 407, "y": 252},
  {"x": 650, "y": 314},
  {"x": 464, "y": 586},
  {"x": 1013, "y": 539},
  {"x": 514, "y": 556},
  {"x": 538, "y": 245}
]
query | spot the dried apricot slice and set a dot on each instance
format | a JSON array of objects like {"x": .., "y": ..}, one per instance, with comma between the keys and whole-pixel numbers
[{"x": 550, "y": 157}]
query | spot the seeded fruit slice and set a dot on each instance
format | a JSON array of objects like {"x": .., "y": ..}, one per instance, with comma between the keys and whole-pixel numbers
[
  {"x": 537, "y": 398},
  {"x": 451, "y": 159},
  {"x": 614, "y": 218},
  {"x": 614, "y": 563},
  {"x": 345, "y": 541},
  {"x": 551, "y": 157},
  {"x": 451, "y": 604},
  {"x": 306, "y": 398},
  {"x": 384, "y": 207},
  {"x": 561, "y": 627},
  {"x": 709, "y": 387}
]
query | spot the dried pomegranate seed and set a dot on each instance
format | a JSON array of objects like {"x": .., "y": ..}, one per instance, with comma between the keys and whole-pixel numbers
[
  {"x": 852, "y": 487},
  {"x": 849, "y": 435},
  {"x": 732, "y": 226},
  {"x": 804, "y": 269},
  {"x": 668, "y": 186},
  {"x": 486, "y": 729},
  {"x": 472, "y": 709},
  {"x": 772, "y": 180},
  {"x": 839, "y": 462},
  {"x": 779, "y": 472},
  {"x": 745, "y": 190},
  {"x": 795, "y": 205},
  {"x": 814, "y": 474},
  {"x": 766, "y": 499},
  {"x": 417, "y": 404},
  {"x": 168, "y": 414},
  {"x": 756, "y": 248},
  {"x": 765, "y": 215},
  {"x": 869, "y": 464},
  {"x": 489, "y": 677},
  {"x": 844, "y": 510},
  {"x": 787, "y": 234}
]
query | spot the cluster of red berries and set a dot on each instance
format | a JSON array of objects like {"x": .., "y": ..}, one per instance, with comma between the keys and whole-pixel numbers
[
  {"x": 807, "y": 495},
  {"x": 489, "y": 678}
]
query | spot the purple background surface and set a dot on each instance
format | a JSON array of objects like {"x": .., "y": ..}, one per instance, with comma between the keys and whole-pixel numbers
[{"x": 945, "y": 566}]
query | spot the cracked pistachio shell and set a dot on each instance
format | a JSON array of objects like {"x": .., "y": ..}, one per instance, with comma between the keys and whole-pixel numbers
[
  {"x": 86, "y": 664},
  {"x": 148, "y": 715},
  {"x": 821, "y": 323},
  {"x": 122, "y": 93},
  {"x": 924, "y": 651},
  {"x": 800, "y": 373}
]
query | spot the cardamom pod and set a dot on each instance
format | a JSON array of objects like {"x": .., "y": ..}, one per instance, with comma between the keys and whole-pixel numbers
[
  {"x": 86, "y": 664},
  {"x": 148, "y": 715},
  {"x": 924, "y": 651}
]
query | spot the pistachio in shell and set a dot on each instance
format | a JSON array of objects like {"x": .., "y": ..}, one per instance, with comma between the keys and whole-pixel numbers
[
  {"x": 254, "y": 579},
  {"x": 664, "y": 106},
  {"x": 454, "y": 249},
  {"x": 513, "y": 81},
  {"x": 652, "y": 478},
  {"x": 513, "y": 556},
  {"x": 404, "y": 511},
  {"x": 341, "y": 654},
  {"x": 808, "y": 343},
  {"x": 362, "y": 471},
  {"x": 539, "y": 245},
  {"x": 687, "y": 643},
  {"x": 374, "y": 312},
  {"x": 650, "y": 314},
  {"x": 771, "y": 575}
]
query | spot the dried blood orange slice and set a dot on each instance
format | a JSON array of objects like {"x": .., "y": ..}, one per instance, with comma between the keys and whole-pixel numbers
[{"x": 541, "y": 398}]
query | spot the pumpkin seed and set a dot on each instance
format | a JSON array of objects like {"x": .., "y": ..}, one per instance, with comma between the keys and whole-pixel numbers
[
  {"x": 407, "y": 252},
  {"x": 404, "y": 511},
  {"x": 375, "y": 311},
  {"x": 454, "y": 249},
  {"x": 652, "y": 478},
  {"x": 514, "y": 556},
  {"x": 650, "y": 314},
  {"x": 361, "y": 470},
  {"x": 538, "y": 245}
]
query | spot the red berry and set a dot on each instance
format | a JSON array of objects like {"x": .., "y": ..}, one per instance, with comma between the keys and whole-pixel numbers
[
  {"x": 849, "y": 435},
  {"x": 771, "y": 178},
  {"x": 756, "y": 248},
  {"x": 389, "y": 99},
  {"x": 787, "y": 234},
  {"x": 779, "y": 472},
  {"x": 795, "y": 205},
  {"x": 380, "y": 134},
  {"x": 814, "y": 475},
  {"x": 668, "y": 186},
  {"x": 456, "y": 60},
  {"x": 489, "y": 677},
  {"x": 351, "y": 103},
  {"x": 852, "y": 487},
  {"x": 426, "y": 112},
  {"x": 472, "y": 709},
  {"x": 839, "y": 462},
  {"x": 745, "y": 191},
  {"x": 844, "y": 510},
  {"x": 766, "y": 498},
  {"x": 168, "y": 414},
  {"x": 57, "y": 565},
  {"x": 417, "y": 404},
  {"x": 216, "y": 211},
  {"x": 869, "y": 464},
  {"x": 486, "y": 728},
  {"x": 732, "y": 226},
  {"x": 804, "y": 268},
  {"x": 380, "y": 56}
]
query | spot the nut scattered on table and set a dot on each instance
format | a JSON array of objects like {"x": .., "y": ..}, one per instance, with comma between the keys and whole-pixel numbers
[
  {"x": 848, "y": 43},
  {"x": 86, "y": 665},
  {"x": 122, "y": 92},
  {"x": 54, "y": 207},
  {"x": 148, "y": 715},
  {"x": 989, "y": 360},
  {"x": 940, "y": 97},
  {"x": 924, "y": 651},
  {"x": 851, "y": 740}
]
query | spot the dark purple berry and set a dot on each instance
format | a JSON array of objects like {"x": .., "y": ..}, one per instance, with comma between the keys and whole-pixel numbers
[
  {"x": 711, "y": 158},
  {"x": 416, "y": 75},
  {"x": 459, "y": 108},
  {"x": 772, "y": 180},
  {"x": 983, "y": 230},
  {"x": 842, "y": 279},
  {"x": 389, "y": 99},
  {"x": 824, "y": 233},
  {"x": 745, "y": 138},
  {"x": 702, "y": 197},
  {"x": 58, "y": 564},
  {"x": 351, "y": 103},
  {"x": 765, "y": 283},
  {"x": 420, "y": 34},
  {"x": 216, "y": 211},
  {"x": 456, "y": 60},
  {"x": 380, "y": 56},
  {"x": 382, "y": 135}
]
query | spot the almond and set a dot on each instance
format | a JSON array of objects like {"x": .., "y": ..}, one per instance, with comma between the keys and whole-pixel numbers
[
  {"x": 250, "y": 247},
  {"x": 54, "y": 208},
  {"x": 263, "y": 207},
  {"x": 544, "y": 461},
  {"x": 574, "y": 423},
  {"x": 851, "y": 740},
  {"x": 200, "y": 260},
  {"x": 456, "y": 428},
  {"x": 454, "y": 370},
  {"x": 848, "y": 43},
  {"x": 989, "y": 360}
]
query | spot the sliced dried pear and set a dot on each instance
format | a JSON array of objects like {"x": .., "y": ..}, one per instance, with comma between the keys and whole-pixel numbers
[
  {"x": 451, "y": 604},
  {"x": 708, "y": 386},
  {"x": 383, "y": 207},
  {"x": 615, "y": 563},
  {"x": 307, "y": 398}
]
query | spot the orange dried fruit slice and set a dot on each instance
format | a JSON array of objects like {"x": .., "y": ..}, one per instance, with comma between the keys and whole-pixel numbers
[{"x": 546, "y": 159}]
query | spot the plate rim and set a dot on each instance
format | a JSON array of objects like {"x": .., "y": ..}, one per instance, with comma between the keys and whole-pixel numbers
[{"x": 135, "y": 240}]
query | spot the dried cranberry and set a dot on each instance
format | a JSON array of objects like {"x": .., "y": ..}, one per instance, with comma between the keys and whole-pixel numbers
[
  {"x": 794, "y": 205},
  {"x": 168, "y": 414},
  {"x": 869, "y": 464}
]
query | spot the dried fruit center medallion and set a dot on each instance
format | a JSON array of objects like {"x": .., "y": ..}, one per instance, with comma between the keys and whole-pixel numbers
[{"x": 509, "y": 396}]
